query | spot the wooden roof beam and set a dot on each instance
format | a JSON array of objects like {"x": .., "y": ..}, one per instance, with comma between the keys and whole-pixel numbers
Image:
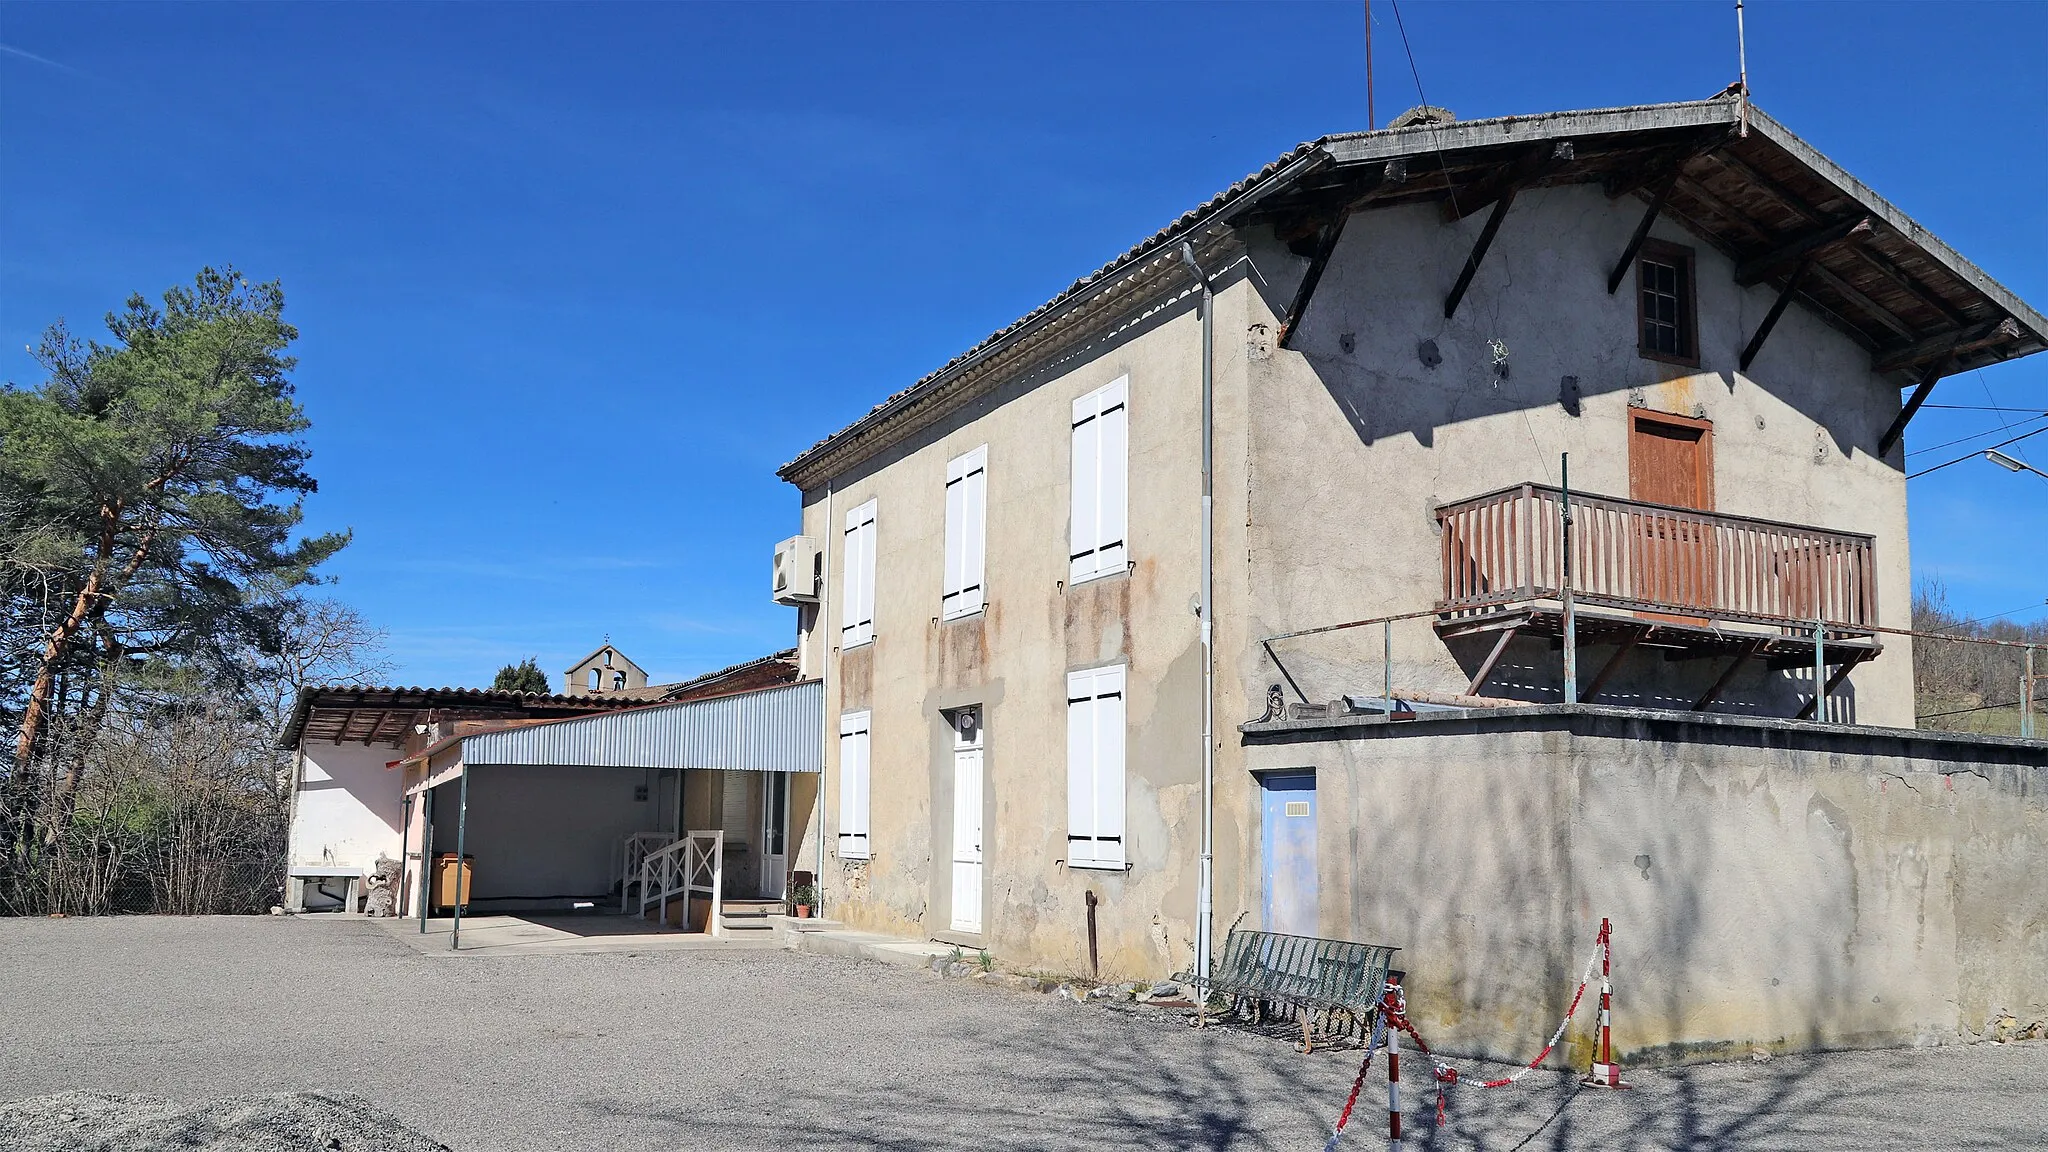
[
  {"x": 1909, "y": 284},
  {"x": 1958, "y": 343},
  {"x": 1661, "y": 164},
  {"x": 1761, "y": 268},
  {"x": 1862, "y": 302},
  {"x": 1532, "y": 166}
]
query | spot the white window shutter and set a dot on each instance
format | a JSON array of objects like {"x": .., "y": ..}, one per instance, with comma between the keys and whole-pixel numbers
[
  {"x": 1080, "y": 769},
  {"x": 1095, "y": 768},
  {"x": 956, "y": 541},
  {"x": 1115, "y": 451},
  {"x": 857, "y": 615},
  {"x": 1086, "y": 487},
  {"x": 1109, "y": 767},
  {"x": 974, "y": 530},
  {"x": 849, "y": 602},
  {"x": 853, "y": 786}
]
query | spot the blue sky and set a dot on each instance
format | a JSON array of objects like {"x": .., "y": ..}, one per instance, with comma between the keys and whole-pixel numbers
[{"x": 573, "y": 280}]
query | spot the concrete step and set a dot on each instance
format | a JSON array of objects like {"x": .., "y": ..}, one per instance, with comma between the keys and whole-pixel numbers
[{"x": 867, "y": 946}]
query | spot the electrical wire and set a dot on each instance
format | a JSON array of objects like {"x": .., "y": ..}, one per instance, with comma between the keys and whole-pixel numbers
[
  {"x": 2008, "y": 612},
  {"x": 1975, "y": 436},
  {"x": 1450, "y": 185},
  {"x": 1986, "y": 385},
  {"x": 1974, "y": 455},
  {"x": 1984, "y": 408},
  {"x": 1967, "y": 711}
]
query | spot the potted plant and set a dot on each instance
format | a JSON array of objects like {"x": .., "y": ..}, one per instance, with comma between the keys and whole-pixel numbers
[{"x": 805, "y": 897}]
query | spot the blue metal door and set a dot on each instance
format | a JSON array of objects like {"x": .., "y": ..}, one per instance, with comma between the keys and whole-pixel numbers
[{"x": 1289, "y": 856}]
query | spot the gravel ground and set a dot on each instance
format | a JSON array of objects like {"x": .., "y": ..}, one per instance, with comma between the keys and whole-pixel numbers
[{"x": 769, "y": 1050}]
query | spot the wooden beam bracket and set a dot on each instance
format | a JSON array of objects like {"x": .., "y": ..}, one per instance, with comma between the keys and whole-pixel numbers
[
  {"x": 1613, "y": 664},
  {"x": 1849, "y": 663},
  {"x": 1935, "y": 371},
  {"x": 1642, "y": 232},
  {"x": 1326, "y": 246},
  {"x": 1713, "y": 693},
  {"x": 1762, "y": 268},
  {"x": 1500, "y": 646},
  {"x": 1785, "y": 294}
]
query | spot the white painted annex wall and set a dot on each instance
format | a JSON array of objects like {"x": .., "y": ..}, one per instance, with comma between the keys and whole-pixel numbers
[{"x": 349, "y": 807}]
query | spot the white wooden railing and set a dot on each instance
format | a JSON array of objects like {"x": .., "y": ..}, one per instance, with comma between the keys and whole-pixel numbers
[
  {"x": 692, "y": 866},
  {"x": 632, "y": 850}
]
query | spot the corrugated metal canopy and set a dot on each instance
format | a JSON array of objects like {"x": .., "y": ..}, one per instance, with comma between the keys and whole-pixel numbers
[{"x": 779, "y": 729}]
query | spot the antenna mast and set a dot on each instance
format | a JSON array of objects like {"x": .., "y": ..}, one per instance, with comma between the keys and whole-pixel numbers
[
  {"x": 1742, "y": 62},
  {"x": 1372, "y": 120}
]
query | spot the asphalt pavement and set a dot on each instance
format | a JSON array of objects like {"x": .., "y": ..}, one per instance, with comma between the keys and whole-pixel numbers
[{"x": 745, "y": 1050}]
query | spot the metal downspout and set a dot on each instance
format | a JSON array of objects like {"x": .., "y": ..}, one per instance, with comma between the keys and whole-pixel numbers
[
  {"x": 824, "y": 637},
  {"x": 1205, "y": 883}
]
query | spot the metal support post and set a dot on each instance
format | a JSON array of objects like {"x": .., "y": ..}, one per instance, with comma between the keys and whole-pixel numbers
[
  {"x": 2027, "y": 692},
  {"x": 1387, "y": 664},
  {"x": 1571, "y": 615},
  {"x": 1820, "y": 671},
  {"x": 426, "y": 853},
  {"x": 461, "y": 873}
]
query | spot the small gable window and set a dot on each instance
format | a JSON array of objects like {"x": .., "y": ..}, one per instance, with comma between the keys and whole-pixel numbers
[
  {"x": 618, "y": 680},
  {"x": 1667, "y": 316},
  {"x": 596, "y": 680}
]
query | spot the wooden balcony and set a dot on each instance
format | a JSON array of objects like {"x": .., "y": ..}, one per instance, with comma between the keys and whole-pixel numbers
[{"x": 1694, "y": 583}]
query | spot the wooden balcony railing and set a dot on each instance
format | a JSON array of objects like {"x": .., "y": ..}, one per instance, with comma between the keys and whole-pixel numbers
[{"x": 1684, "y": 566}]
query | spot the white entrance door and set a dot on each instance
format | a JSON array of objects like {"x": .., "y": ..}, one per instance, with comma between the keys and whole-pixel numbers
[
  {"x": 967, "y": 820},
  {"x": 774, "y": 832}
]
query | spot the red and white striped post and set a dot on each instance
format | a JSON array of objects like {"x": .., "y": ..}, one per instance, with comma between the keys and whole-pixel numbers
[
  {"x": 1394, "y": 1007},
  {"x": 1605, "y": 1072}
]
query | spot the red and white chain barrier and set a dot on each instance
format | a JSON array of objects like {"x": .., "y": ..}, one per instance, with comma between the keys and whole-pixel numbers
[
  {"x": 1393, "y": 1020},
  {"x": 1606, "y": 1072}
]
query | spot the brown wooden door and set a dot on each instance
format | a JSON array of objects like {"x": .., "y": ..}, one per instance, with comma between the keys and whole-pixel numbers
[{"x": 1670, "y": 462}]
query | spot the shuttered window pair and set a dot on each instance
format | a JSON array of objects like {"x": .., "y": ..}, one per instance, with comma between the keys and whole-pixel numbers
[
  {"x": 857, "y": 606},
  {"x": 1101, "y": 450},
  {"x": 966, "y": 533},
  {"x": 853, "y": 786},
  {"x": 1095, "y": 768}
]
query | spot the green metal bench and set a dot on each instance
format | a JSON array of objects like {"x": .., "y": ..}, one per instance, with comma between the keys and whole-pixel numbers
[{"x": 1308, "y": 974}]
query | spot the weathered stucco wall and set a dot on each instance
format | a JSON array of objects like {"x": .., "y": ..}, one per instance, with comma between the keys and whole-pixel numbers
[
  {"x": 1012, "y": 659},
  {"x": 1355, "y": 440},
  {"x": 1771, "y": 884},
  {"x": 347, "y": 808},
  {"x": 1330, "y": 461}
]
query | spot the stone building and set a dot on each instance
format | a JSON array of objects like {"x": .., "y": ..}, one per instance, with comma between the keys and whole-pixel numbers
[{"x": 1364, "y": 384}]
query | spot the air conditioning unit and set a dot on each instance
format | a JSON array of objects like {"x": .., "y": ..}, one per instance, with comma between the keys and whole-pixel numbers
[{"x": 796, "y": 571}]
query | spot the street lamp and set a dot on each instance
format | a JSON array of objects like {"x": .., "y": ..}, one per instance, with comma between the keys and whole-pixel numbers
[{"x": 2012, "y": 465}]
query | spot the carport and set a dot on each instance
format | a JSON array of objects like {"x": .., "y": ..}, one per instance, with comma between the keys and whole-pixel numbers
[{"x": 628, "y": 811}]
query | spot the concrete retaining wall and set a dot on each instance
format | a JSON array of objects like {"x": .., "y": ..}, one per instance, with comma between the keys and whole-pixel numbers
[{"x": 1772, "y": 884}]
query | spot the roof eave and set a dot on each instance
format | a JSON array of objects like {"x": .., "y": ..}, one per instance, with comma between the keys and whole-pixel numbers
[{"x": 814, "y": 463}]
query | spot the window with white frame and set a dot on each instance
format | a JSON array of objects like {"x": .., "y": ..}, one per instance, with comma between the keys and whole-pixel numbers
[
  {"x": 1095, "y": 768},
  {"x": 1101, "y": 447},
  {"x": 853, "y": 786},
  {"x": 966, "y": 533},
  {"x": 857, "y": 606}
]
